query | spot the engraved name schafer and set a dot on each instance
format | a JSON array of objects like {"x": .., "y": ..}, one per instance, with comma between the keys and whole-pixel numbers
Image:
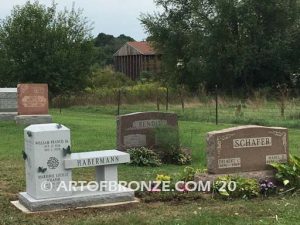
[{"x": 252, "y": 142}]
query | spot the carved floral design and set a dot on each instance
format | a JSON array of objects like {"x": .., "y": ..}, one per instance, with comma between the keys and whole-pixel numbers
[
  {"x": 223, "y": 138},
  {"x": 280, "y": 134},
  {"x": 219, "y": 142},
  {"x": 53, "y": 163}
]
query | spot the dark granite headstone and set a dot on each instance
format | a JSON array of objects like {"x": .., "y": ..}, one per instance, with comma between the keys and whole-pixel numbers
[
  {"x": 246, "y": 148},
  {"x": 138, "y": 129}
]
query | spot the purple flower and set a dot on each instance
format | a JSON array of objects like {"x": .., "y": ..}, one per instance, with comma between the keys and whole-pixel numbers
[
  {"x": 270, "y": 184},
  {"x": 263, "y": 185}
]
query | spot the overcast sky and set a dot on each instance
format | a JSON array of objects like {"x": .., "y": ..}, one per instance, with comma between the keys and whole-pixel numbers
[{"x": 109, "y": 16}]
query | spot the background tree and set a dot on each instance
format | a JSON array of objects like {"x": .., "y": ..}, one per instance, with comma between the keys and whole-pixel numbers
[
  {"x": 237, "y": 44},
  {"x": 106, "y": 45},
  {"x": 41, "y": 45}
]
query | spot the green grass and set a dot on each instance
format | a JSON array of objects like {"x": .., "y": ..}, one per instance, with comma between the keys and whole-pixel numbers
[
  {"x": 253, "y": 112},
  {"x": 94, "y": 129}
]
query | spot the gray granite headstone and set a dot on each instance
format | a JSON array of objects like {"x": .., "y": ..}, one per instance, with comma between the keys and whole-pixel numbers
[{"x": 8, "y": 99}]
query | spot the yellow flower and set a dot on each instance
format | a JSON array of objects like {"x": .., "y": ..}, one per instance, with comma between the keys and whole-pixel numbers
[{"x": 161, "y": 177}]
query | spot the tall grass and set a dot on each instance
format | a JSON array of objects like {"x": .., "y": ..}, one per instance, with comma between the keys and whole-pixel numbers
[{"x": 266, "y": 114}]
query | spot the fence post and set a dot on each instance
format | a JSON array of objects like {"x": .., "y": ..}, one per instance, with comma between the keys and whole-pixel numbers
[
  {"x": 157, "y": 102},
  {"x": 216, "y": 92},
  {"x": 119, "y": 101},
  {"x": 167, "y": 99},
  {"x": 60, "y": 103},
  {"x": 181, "y": 90}
]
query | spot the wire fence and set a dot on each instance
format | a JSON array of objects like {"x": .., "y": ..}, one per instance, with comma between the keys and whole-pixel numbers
[{"x": 208, "y": 108}]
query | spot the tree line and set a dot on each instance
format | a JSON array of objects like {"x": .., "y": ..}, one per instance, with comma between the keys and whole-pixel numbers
[
  {"x": 41, "y": 44},
  {"x": 239, "y": 45}
]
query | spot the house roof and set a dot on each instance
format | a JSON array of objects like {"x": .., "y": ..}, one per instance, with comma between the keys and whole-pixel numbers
[{"x": 136, "y": 48}]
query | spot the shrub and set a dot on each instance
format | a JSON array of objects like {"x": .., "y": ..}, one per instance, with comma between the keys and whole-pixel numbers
[
  {"x": 143, "y": 92},
  {"x": 167, "y": 137},
  {"x": 236, "y": 187},
  {"x": 108, "y": 78},
  {"x": 182, "y": 159},
  {"x": 289, "y": 173},
  {"x": 188, "y": 174},
  {"x": 168, "y": 146},
  {"x": 143, "y": 157}
]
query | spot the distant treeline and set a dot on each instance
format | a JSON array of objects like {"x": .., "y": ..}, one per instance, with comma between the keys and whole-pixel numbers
[
  {"x": 106, "y": 45},
  {"x": 240, "y": 45},
  {"x": 40, "y": 44}
]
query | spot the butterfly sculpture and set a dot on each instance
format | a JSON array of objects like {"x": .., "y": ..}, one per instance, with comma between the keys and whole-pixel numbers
[
  {"x": 29, "y": 134},
  {"x": 67, "y": 151},
  {"x": 24, "y": 155},
  {"x": 41, "y": 169}
]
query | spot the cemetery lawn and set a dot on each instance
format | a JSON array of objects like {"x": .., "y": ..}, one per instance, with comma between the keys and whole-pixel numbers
[{"x": 94, "y": 130}]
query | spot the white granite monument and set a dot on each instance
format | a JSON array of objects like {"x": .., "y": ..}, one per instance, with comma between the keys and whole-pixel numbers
[{"x": 49, "y": 163}]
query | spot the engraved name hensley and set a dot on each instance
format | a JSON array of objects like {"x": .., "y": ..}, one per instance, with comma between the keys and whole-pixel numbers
[
  {"x": 252, "y": 142},
  {"x": 97, "y": 161}
]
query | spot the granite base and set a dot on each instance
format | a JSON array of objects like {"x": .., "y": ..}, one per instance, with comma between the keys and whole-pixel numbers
[
  {"x": 79, "y": 198},
  {"x": 33, "y": 119}
]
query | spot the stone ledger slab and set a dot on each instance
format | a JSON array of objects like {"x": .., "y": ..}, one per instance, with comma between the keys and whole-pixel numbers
[
  {"x": 33, "y": 119},
  {"x": 246, "y": 148},
  {"x": 138, "y": 129},
  {"x": 8, "y": 115},
  {"x": 32, "y": 99}
]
